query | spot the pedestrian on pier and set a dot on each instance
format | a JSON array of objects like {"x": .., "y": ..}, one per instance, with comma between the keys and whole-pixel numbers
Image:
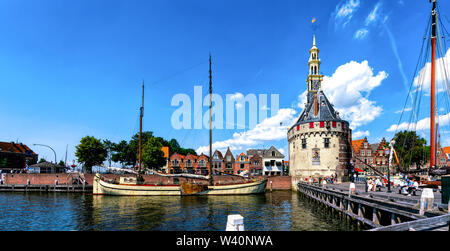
[
  {"x": 352, "y": 188},
  {"x": 324, "y": 183},
  {"x": 365, "y": 184}
]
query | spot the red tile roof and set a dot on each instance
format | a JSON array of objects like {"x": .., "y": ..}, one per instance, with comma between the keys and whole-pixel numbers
[
  {"x": 14, "y": 147},
  {"x": 357, "y": 144}
]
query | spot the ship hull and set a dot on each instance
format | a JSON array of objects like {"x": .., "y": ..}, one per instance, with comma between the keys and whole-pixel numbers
[{"x": 101, "y": 187}]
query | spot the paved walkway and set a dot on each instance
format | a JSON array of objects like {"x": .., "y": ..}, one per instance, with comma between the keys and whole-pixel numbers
[{"x": 412, "y": 200}]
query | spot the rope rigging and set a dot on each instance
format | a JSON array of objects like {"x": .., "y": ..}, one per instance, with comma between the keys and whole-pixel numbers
[{"x": 418, "y": 89}]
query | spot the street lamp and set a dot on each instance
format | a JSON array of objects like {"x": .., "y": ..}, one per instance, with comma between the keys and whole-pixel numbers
[
  {"x": 48, "y": 147},
  {"x": 390, "y": 151}
]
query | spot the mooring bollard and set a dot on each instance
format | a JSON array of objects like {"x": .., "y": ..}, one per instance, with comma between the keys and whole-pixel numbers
[
  {"x": 426, "y": 200},
  {"x": 235, "y": 223}
]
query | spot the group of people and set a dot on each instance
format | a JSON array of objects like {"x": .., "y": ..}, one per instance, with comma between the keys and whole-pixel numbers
[
  {"x": 410, "y": 186},
  {"x": 323, "y": 180},
  {"x": 373, "y": 184}
]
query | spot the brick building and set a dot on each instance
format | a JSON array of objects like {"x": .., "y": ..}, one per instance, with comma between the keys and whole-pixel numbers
[
  {"x": 15, "y": 156},
  {"x": 374, "y": 155},
  {"x": 250, "y": 164}
]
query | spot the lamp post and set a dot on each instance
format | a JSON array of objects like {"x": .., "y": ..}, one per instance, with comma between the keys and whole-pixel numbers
[
  {"x": 389, "y": 173},
  {"x": 48, "y": 147},
  {"x": 390, "y": 151}
]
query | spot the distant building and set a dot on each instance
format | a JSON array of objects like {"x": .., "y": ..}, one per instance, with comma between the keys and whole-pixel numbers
[
  {"x": 255, "y": 163},
  {"x": 217, "y": 162},
  {"x": 374, "y": 155},
  {"x": 446, "y": 152},
  {"x": 15, "y": 156},
  {"x": 46, "y": 167},
  {"x": 165, "y": 150},
  {"x": 441, "y": 157},
  {"x": 242, "y": 164},
  {"x": 228, "y": 162},
  {"x": 176, "y": 163},
  {"x": 272, "y": 160}
]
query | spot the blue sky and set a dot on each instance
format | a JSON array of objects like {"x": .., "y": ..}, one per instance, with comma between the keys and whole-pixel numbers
[{"x": 74, "y": 68}]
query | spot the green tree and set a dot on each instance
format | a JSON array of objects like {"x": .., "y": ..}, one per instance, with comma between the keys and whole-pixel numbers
[
  {"x": 152, "y": 156},
  {"x": 119, "y": 152},
  {"x": 110, "y": 147},
  {"x": 90, "y": 152},
  {"x": 61, "y": 163},
  {"x": 174, "y": 147},
  {"x": 411, "y": 149},
  {"x": 42, "y": 160},
  {"x": 132, "y": 149}
]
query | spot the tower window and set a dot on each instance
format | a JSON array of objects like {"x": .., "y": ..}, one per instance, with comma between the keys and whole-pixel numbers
[
  {"x": 304, "y": 143},
  {"x": 327, "y": 143}
]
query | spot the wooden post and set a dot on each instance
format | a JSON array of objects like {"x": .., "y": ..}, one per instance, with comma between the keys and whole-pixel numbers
[{"x": 375, "y": 217}]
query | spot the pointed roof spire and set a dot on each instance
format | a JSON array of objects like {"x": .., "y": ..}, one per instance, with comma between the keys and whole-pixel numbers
[{"x": 314, "y": 40}]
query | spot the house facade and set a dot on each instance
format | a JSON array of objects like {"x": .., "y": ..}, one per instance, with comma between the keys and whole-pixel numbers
[
  {"x": 14, "y": 157},
  {"x": 255, "y": 163}
]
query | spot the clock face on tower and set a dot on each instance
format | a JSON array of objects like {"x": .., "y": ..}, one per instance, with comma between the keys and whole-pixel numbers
[{"x": 315, "y": 85}]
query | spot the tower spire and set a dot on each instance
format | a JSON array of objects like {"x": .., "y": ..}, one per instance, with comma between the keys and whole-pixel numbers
[{"x": 314, "y": 80}]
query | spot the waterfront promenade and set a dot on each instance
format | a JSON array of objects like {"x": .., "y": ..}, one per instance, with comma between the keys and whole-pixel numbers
[
  {"x": 380, "y": 210},
  {"x": 381, "y": 193}
]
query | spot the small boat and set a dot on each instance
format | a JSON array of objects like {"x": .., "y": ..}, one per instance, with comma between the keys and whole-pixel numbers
[{"x": 135, "y": 186}]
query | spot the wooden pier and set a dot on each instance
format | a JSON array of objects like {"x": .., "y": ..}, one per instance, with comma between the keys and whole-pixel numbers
[
  {"x": 374, "y": 214},
  {"x": 47, "y": 188}
]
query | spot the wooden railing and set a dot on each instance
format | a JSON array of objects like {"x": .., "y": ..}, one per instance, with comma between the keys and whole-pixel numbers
[{"x": 433, "y": 223}]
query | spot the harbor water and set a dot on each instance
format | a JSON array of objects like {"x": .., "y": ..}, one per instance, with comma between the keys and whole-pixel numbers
[{"x": 277, "y": 211}]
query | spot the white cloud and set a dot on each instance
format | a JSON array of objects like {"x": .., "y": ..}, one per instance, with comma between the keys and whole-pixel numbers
[
  {"x": 344, "y": 12},
  {"x": 423, "y": 80},
  {"x": 361, "y": 33},
  {"x": 373, "y": 15},
  {"x": 423, "y": 124},
  {"x": 360, "y": 134},
  {"x": 348, "y": 89},
  {"x": 273, "y": 128}
]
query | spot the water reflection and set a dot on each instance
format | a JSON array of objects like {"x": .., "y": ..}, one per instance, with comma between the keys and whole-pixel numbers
[{"x": 281, "y": 210}]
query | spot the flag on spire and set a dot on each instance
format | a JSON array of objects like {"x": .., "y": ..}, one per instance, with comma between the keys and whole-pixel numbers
[{"x": 314, "y": 20}]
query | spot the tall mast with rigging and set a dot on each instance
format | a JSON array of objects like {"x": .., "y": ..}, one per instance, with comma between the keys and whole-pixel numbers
[
  {"x": 140, "y": 129},
  {"x": 210, "y": 117},
  {"x": 433, "y": 94}
]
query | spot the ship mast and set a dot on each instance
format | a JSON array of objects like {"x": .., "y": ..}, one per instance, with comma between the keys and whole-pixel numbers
[
  {"x": 210, "y": 117},
  {"x": 433, "y": 94},
  {"x": 140, "y": 130}
]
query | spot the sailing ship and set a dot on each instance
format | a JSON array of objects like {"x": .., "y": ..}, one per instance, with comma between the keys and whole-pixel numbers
[
  {"x": 194, "y": 184},
  {"x": 435, "y": 45}
]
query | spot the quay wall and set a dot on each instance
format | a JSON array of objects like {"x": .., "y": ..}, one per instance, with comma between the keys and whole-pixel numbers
[{"x": 274, "y": 183}]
